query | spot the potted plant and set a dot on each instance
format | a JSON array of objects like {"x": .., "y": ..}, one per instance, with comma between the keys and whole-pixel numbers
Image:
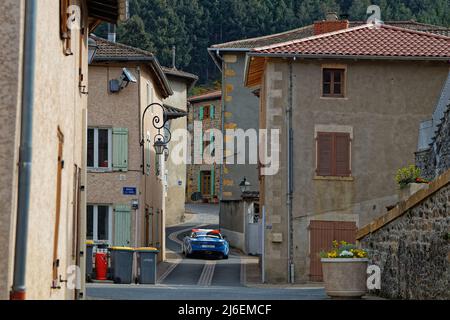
[
  {"x": 410, "y": 181},
  {"x": 345, "y": 271}
]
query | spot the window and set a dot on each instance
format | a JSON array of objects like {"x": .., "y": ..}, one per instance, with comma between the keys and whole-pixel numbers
[
  {"x": 99, "y": 222},
  {"x": 333, "y": 154},
  {"x": 99, "y": 151},
  {"x": 206, "y": 112},
  {"x": 333, "y": 82}
]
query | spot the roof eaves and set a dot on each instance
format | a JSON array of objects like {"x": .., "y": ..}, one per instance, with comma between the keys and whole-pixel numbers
[
  {"x": 225, "y": 46},
  {"x": 354, "y": 57}
]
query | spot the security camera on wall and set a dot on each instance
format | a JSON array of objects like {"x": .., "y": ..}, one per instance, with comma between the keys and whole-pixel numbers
[{"x": 116, "y": 85}]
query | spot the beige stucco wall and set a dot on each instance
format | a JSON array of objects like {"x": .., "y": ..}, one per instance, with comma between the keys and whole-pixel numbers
[
  {"x": 124, "y": 110},
  {"x": 115, "y": 110},
  {"x": 176, "y": 174},
  {"x": 385, "y": 103},
  {"x": 153, "y": 185},
  {"x": 58, "y": 104}
]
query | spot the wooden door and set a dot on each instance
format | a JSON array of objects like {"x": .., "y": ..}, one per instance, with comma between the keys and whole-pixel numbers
[
  {"x": 322, "y": 235},
  {"x": 205, "y": 183}
]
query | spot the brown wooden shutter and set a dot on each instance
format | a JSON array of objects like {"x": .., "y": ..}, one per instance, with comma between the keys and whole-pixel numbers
[
  {"x": 342, "y": 148},
  {"x": 324, "y": 154}
]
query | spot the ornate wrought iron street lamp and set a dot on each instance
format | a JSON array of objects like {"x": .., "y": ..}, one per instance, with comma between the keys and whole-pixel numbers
[
  {"x": 245, "y": 185},
  {"x": 161, "y": 139},
  {"x": 164, "y": 136}
]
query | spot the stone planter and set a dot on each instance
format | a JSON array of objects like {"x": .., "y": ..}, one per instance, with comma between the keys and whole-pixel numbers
[
  {"x": 406, "y": 192},
  {"x": 345, "y": 278}
]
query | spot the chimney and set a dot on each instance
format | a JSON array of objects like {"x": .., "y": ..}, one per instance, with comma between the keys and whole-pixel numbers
[
  {"x": 111, "y": 32},
  {"x": 331, "y": 24},
  {"x": 174, "y": 57}
]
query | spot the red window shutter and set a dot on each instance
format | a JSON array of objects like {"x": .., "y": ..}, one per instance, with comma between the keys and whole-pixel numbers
[
  {"x": 342, "y": 147},
  {"x": 324, "y": 154}
]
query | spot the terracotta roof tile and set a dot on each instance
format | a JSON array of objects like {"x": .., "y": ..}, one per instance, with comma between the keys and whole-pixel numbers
[
  {"x": 213, "y": 95},
  {"x": 113, "y": 50},
  {"x": 367, "y": 40},
  {"x": 308, "y": 31}
]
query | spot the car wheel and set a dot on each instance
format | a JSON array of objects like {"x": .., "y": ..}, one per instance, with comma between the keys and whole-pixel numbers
[{"x": 225, "y": 257}]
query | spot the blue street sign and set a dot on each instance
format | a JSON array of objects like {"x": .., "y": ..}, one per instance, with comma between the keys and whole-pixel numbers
[{"x": 129, "y": 191}]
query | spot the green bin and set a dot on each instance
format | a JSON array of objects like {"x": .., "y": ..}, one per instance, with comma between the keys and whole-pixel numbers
[
  {"x": 146, "y": 262},
  {"x": 122, "y": 264}
]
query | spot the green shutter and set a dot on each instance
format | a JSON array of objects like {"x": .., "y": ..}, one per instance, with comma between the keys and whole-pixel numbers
[
  {"x": 120, "y": 149},
  {"x": 199, "y": 185},
  {"x": 201, "y": 113},
  {"x": 213, "y": 182},
  {"x": 201, "y": 144},
  {"x": 122, "y": 226},
  {"x": 212, "y": 111}
]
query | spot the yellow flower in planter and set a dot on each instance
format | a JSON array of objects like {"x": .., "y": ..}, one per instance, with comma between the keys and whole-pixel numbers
[{"x": 343, "y": 249}]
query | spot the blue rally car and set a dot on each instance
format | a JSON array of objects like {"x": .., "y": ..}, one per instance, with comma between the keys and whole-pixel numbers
[{"x": 206, "y": 241}]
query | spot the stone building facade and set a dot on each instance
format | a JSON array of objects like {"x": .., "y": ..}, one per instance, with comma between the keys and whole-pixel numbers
[
  {"x": 433, "y": 155},
  {"x": 203, "y": 180},
  {"x": 339, "y": 150}
]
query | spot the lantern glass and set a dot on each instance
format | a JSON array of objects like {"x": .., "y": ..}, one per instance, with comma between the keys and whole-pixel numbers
[{"x": 159, "y": 147}]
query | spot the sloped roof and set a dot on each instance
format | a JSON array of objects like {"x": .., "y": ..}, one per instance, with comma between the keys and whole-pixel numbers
[
  {"x": 213, "y": 95},
  {"x": 190, "y": 78},
  {"x": 109, "y": 51},
  {"x": 372, "y": 40},
  {"x": 308, "y": 31},
  {"x": 172, "y": 113}
]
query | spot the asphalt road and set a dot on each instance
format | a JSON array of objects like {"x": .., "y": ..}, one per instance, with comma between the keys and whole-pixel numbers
[
  {"x": 195, "y": 293},
  {"x": 200, "y": 278},
  {"x": 202, "y": 271}
]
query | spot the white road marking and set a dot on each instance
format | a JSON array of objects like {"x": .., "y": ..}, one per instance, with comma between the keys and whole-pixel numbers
[
  {"x": 174, "y": 237},
  {"x": 207, "y": 274},
  {"x": 243, "y": 272},
  {"x": 174, "y": 264}
]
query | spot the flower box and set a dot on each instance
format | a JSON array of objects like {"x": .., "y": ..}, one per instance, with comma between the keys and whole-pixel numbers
[{"x": 345, "y": 278}]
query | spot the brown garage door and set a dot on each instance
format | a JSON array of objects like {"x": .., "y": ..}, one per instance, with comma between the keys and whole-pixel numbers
[{"x": 322, "y": 234}]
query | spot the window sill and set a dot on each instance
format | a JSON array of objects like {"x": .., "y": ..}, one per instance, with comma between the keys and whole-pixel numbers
[
  {"x": 330, "y": 178},
  {"x": 334, "y": 98},
  {"x": 94, "y": 170}
]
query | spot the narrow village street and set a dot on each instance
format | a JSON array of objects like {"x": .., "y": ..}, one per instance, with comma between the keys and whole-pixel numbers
[{"x": 181, "y": 278}]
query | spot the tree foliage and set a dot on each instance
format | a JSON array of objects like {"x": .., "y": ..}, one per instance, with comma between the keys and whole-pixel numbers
[{"x": 194, "y": 25}]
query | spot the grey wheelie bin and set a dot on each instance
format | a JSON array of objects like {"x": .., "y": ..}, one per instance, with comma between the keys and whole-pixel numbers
[
  {"x": 146, "y": 263},
  {"x": 89, "y": 260},
  {"x": 122, "y": 264}
]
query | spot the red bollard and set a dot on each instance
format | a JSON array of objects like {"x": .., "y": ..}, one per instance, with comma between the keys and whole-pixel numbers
[{"x": 101, "y": 265}]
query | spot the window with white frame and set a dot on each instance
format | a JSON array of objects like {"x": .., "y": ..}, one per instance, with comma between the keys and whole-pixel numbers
[
  {"x": 99, "y": 153},
  {"x": 99, "y": 223}
]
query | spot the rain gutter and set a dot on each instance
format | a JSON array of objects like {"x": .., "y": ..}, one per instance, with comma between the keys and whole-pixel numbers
[{"x": 18, "y": 291}]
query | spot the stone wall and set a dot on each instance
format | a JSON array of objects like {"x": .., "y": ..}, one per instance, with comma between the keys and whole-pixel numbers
[
  {"x": 193, "y": 170},
  {"x": 436, "y": 160},
  {"x": 413, "y": 249}
]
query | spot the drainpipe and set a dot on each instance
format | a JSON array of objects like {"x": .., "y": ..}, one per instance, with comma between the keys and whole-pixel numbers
[
  {"x": 290, "y": 187},
  {"x": 18, "y": 291}
]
